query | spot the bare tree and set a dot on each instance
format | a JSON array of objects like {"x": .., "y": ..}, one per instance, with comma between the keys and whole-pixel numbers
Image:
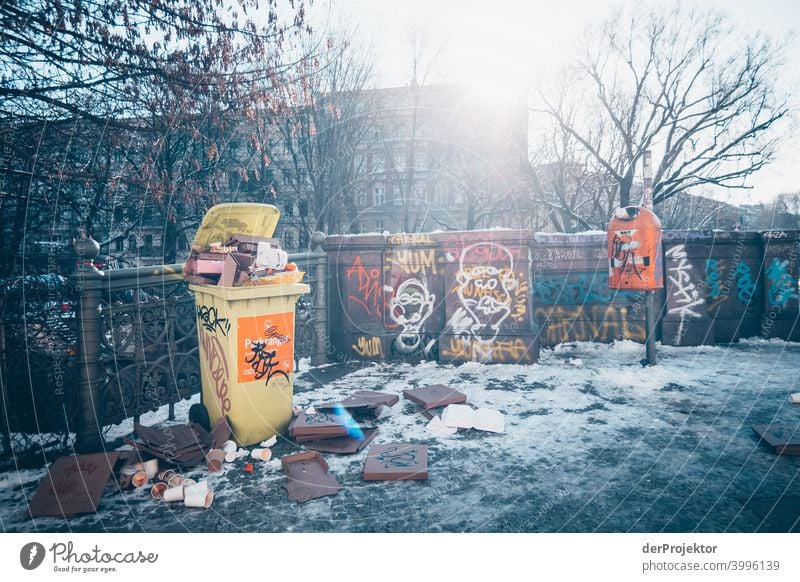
[
  {"x": 685, "y": 84},
  {"x": 313, "y": 138}
]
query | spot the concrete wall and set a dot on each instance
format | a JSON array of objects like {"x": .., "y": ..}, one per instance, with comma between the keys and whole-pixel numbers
[{"x": 499, "y": 295}]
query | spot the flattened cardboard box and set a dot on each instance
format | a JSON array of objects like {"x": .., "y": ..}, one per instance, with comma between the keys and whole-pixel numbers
[
  {"x": 345, "y": 445},
  {"x": 73, "y": 485},
  {"x": 362, "y": 399},
  {"x": 308, "y": 477},
  {"x": 784, "y": 439},
  {"x": 396, "y": 461},
  {"x": 435, "y": 395},
  {"x": 320, "y": 424}
]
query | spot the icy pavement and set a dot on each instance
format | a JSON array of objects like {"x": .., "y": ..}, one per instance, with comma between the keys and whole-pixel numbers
[{"x": 593, "y": 442}]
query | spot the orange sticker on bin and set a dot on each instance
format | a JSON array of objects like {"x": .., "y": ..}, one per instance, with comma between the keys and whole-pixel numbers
[{"x": 265, "y": 346}]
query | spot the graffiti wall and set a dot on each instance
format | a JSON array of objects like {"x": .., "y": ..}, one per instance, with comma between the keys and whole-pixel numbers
[
  {"x": 496, "y": 296},
  {"x": 571, "y": 298},
  {"x": 487, "y": 303}
]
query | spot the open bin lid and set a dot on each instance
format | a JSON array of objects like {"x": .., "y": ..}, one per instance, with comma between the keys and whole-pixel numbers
[{"x": 223, "y": 220}]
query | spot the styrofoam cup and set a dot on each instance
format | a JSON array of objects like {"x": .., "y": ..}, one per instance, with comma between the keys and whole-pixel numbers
[
  {"x": 175, "y": 481},
  {"x": 198, "y": 498},
  {"x": 201, "y": 486},
  {"x": 794, "y": 398},
  {"x": 261, "y": 454},
  {"x": 231, "y": 456},
  {"x": 140, "y": 479},
  {"x": 151, "y": 468},
  {"x": 229, "y": 446},
  {"x": 173, "y": 494}
]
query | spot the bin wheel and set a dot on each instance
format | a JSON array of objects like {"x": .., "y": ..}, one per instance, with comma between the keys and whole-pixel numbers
[{"x": 198, "y": 414}]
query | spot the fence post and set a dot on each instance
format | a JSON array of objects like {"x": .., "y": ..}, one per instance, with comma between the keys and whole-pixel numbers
[
  {"x": 88, "y": 284},
  {"x": 320, "y": 355}
]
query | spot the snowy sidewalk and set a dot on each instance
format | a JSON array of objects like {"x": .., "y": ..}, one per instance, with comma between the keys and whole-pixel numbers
[{"x": 593, "y": 442}]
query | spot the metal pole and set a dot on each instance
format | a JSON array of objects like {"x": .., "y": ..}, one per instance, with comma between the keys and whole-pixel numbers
[
  {"x": 320, "y": 354},
  {"x": 89, "y": 285},
  {"x": 650, "y": 299}
]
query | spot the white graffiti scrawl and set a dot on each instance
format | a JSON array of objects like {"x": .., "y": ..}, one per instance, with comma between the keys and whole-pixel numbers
[
  {"x": 685, "y": 293},
  {"x": 410, "y": 306},
  {"x": 485, "y": 294}
]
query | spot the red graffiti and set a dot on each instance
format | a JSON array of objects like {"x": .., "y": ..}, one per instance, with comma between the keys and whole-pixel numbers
[
  {"x": 369, "y": 291},
  {"x": 218, "y": 368}
]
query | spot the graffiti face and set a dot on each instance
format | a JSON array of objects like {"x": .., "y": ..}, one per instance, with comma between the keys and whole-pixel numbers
[
  {"x": 411, "y": 305},
  {"x": 485, "y": 290}
]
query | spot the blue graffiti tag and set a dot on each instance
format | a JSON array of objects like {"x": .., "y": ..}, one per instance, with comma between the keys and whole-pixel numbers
[
  {"x": 714, "y": 278},
  {"x": 744, "y": 282},
  {"x": 781, "y": 287},
  {"x": 575, "y": 289}
]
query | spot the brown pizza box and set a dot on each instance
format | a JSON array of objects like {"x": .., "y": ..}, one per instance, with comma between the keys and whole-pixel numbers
[
  {"x": 396, "y": 461},
  {"x": 435, "y": 395},
  {"x": 73, "y": 485},
  {"x": 308, "y": 477}
]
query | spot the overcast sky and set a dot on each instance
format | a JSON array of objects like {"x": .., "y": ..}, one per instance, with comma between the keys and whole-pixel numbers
[{"x": 484, "y": 42}]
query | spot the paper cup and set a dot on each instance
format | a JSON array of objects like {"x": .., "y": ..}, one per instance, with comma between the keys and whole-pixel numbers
[
  {"x": 165, "y": 476},
  {"x": 214, "y": 459},
  {"x": 175, "y": 481},
  {"x": 261, "y": 454},
  {"x": 173, "y": 494},
  {"x": 231, "y": 456},
  {"x": 198, "y": 498},
  {"x": 157, "y": 490},
  {"x": 151, "y": 468},
  {"x": 140, "y": 479},
  {"x": 229, "y": 446},
  {"x": 126, "y": 476},
  {"x": 194, "y": 487}
]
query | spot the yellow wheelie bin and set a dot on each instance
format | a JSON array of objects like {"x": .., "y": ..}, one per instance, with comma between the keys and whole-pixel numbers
[{"x": 246, "y": 334}]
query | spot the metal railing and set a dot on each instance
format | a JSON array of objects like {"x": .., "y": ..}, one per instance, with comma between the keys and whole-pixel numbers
[{"x": 135, "y": 338}]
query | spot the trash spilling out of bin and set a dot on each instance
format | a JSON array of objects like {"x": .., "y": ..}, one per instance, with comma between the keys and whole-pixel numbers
[
  {"x": 396, "y": 461},
  {"x": 435, "y": 395},
  {"x": 345, "y": 445},
  {"x": 239, "y": 259},
  {"x": 245, "y": 292},
  {"x": 308, "y": 477},
  {"x": 784, "y": 439},
  {"x": 73, "y": 485}
]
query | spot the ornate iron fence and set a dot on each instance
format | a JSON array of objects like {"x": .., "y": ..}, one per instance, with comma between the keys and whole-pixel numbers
[{"x": 132, "y": 348}]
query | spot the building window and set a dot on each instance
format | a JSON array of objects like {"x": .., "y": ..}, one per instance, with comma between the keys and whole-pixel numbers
[
  {"x": 132, "y": 243},
  {"x": 288, "y": 240},
  {"x": 119, "y": 244},
  {"x": 379, "y": 226},
  {"x": 420, "y": 160},
  {"x": 376, "y": 135},
  {"x": 377, "y": 162},
  {"x": 148, "y": 244},
  {"x": 289, "y": 208},
  {"x": 361, "y": 199},
  {"x": 378, "y": 195}
]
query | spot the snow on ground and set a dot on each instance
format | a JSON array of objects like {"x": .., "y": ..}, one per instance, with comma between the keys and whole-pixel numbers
[{"x": 593, "y": 442}]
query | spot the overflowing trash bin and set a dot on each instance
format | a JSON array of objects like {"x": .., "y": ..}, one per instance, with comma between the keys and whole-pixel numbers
[{"x": 245, "y": 293}]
